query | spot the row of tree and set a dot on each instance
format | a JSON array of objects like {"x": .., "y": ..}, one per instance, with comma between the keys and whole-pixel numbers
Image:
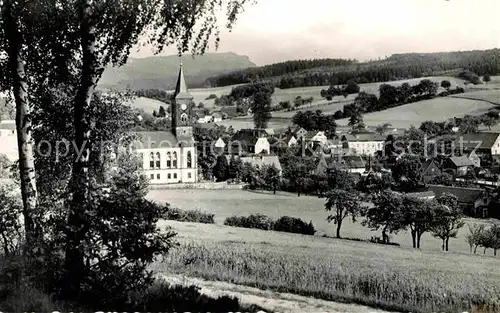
[{"x": 316, "y": 121}]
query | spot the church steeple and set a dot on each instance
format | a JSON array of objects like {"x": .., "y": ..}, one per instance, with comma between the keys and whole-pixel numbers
[
  {"x": 181, "y": 90},
  {"x": 182, "y": 108}
]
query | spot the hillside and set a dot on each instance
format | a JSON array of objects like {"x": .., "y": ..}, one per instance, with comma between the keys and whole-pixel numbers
[
  {"x": 305, "y": 73},
  {"x": 160, "y": 72}
]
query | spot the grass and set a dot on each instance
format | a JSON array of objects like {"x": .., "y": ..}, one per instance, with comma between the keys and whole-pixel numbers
[
  {"x": 437, "y": 109},
  {"x": 227, "y": 203},
  {"x": 339, "y": 270}
]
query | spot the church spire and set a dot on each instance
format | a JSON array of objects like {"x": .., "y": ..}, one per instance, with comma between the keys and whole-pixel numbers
[{"x": 181, "y": 89}]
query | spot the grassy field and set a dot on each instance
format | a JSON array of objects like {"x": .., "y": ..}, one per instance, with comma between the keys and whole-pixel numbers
[
  {"x": 225, "y": 203},
  {"x": 438, "y": 110},
  {"x": 399, "y": 278}
]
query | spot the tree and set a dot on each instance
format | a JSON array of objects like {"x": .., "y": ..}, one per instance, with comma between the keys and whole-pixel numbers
[
  {"x": 388, "y": 95},
  {"x": 427, "y": 87},
  {"x": 342, "y": 203},
  {"x": 356, "y": 121},
  {"x": 407, "y": 172},
  {"x": 351, "y": 87},
  {"x": 162, "y": 112},
  {"x": 448, "y": 219},
  {"x": 367, "y": 102},
  {"x": 387, "y": 213},
  {"x": 419, "y": 216},
  {"x": 486, "y": 78},
  {"x": 446, "y": 84},
  {"x": 271, "y": 177},
  {"x": 489, "y": 121},
  {"x": 382, "y": 128},
  {"x": 14, "y": 20},
  {"x": 473, "y": 238},
  {"x": 235, "y": 168},
  {"x": 261, "y": 109},
  {"x": 221, "y": 168},
  {"x": 469, "y": 124}
]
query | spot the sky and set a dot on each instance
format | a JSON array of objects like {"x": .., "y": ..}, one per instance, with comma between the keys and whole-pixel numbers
[{"x": 278, "y": 30}]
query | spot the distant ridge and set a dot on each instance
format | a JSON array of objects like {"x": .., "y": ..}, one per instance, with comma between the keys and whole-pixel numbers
[{"x": 160, "y": 72}]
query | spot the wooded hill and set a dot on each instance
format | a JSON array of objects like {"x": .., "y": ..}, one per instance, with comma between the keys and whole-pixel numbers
[{"x": 321, "y": 72}]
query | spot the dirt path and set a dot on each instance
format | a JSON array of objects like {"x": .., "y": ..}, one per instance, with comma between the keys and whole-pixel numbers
[{"x": 272, "y": 301}]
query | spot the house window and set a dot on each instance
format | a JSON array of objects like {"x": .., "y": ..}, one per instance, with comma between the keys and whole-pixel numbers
[
  {"x": 158, "y": 159},
  {"x": 189, "y": 175},
  {"x": 189, "y": 160},
  {"x": 174, "y": 161},
  {"x": 152, "y": 176},
  {"x": 169, "y": 176},
  {"x": 175, "y": 175},
  {"x": 157, "y": 176},
  {"x": 151, "y": 160},
  {"x": 169, "y": 160}
]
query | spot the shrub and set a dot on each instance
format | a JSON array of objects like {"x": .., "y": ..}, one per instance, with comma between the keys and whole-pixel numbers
[
  {"x": 444, "y": 94},
  {"x": 293, "y": 225},
  {"x": 329, "y": 98},
  {"x": 258, "y": 221},
  {"x": 194, "y": 216},
  {"x": 212, "y": 96}
]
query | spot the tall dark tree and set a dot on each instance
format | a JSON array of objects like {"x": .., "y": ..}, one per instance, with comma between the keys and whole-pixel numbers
[
  {"x": 261, "y": 109},
  {"x": 221, "y": 168}
]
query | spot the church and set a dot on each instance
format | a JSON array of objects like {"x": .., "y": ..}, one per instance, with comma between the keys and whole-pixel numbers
[{"x": 170, "y": 157}]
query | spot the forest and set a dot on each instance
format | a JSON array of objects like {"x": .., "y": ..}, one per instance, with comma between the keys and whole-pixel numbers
[{"x": 306, "y": 73}]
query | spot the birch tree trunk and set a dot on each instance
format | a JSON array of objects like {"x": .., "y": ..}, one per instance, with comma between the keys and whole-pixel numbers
[
  {"x": 77, "y": 217},
  {"x": 23, "y": 121}
]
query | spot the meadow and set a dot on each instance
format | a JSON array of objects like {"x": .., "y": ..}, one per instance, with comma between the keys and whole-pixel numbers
[{"x": 392, "y": 278}]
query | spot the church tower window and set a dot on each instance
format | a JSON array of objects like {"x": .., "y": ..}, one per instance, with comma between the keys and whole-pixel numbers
[
  {"x": 174, "y": 161},
  {"x": 158, "y": 160},
  {"x": 151, "y": 160},
  {"x": 189, "y": 160},
  {"x": 169, "y": 160}
]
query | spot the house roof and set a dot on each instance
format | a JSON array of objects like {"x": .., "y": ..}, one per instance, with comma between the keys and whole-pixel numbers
[
  {"x": 231, "y": 111},
  {"x": 429, "y": 194},
  {"x": 427, "y": 163},
  {"x": 464, "y": 195},
  {"x": 471, "y": 141},
  {"x": 217, "y": 115},
  {"x": 363, "y": 137},
  {"x": 460, "y": 161},
  {"x": 155, "y": 140},
  {"x": 354, "y": 161},
  {"x": 248, "y": 136},
  {"x": 263, "y": 160}
]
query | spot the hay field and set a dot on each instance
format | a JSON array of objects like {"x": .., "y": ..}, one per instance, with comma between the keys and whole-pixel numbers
[
  {"x": 438, "y": 110},
  {"x": 393, "y": 278},
  {"x": 225, "y": 203}
]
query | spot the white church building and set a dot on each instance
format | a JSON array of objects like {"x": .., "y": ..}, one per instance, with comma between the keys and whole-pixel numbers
[{"x": 170, "y": 156}]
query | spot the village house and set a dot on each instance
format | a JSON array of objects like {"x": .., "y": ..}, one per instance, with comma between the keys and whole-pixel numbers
[
  {"x": 430, "y": 170},
  {"x": 482, "y": 143},
  {"x": 316, "y": 137},
  {"x": 171, "y": 156},
  {"x": 474, "y": 201},
  {"x": 249, "y": 141},
  {"x": 458, "y": 165},
  {"x": 475, "y": 159},
  {"x": 363, "y": 143},
  {"x": 257, "y": 161},
  {"x": 8, "y": 140}
]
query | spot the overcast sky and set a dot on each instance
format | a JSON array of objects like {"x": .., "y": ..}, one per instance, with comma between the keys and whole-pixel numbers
[{"x": 278, "y": 30}]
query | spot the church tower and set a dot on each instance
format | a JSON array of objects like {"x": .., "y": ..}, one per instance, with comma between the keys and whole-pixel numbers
[{"x": 182, "y": 124}]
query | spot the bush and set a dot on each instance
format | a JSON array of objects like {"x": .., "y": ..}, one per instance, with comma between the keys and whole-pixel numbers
[
  {"x": 258, "y": 221},
  {"x": 444, "y": 94},
  {"x": 293, "y": 225},
  {"x": 212, "y": 96},
  {"x": 194, "y": 216},
  {"x": 329, "y": 98}
]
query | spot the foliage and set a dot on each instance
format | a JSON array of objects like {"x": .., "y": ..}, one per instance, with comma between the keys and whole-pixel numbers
[
  {"x": 419, "y": 216},
  {"x": 193, "y": 216},
  {"x": 257, "y": 221},
  {"x": 407, "y": 172},
  {"x": 475, "y": 236},
  {"x": 470, "y": 77},
  {"x": 211, "y": 96},
  {"x": 156, "y": 94},
  {"x": 293, "y": 225},
  {"x": 342, "y": 204},
  {"x": 448, "y": 219},
  {"x": 387, "y": 214},
  {"x": 10, "y": 212},
  {"x": 221, "y": 168},
  {"x": 261, "y": 109},
  {"x": 486, "y": 78},
  {"x": 489, "y": 238},
  {"x": 446, "y": 84},
  {"x": 316, "y": 121}
]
